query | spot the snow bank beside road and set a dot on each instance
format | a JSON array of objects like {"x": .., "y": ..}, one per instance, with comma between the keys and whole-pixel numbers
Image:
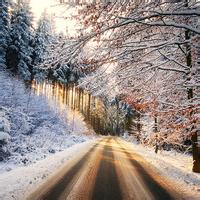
[
  {"x": 20, "y": 182},
  {"x": 175, "y": 166}
]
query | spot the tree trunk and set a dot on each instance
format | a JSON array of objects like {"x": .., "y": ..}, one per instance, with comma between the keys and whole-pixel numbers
[
  {"x": 195, "y": 148},
  {"x": 156, "y": 124},
  {"x": 196, "y": 153},
  {"x": 117, "y": 120}
]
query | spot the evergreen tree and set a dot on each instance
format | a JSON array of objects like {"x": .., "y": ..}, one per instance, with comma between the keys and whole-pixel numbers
[
  {"x": 20, "y": 48},
  {"x": 43, "y": 38},
  {"x": 4, "y": 31}
]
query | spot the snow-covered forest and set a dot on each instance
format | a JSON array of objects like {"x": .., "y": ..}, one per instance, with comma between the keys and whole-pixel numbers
[
  {"x": 136, "y": 65},
  {"x": 30, "y": 129},
  {"x": 144, "y": 53}
]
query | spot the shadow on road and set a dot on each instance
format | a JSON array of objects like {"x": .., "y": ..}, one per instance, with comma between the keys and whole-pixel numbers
[
  {"x": 56, "y": 191},
  {"x": 107, "y": 184},
  {"x": 157, "y": 191}
]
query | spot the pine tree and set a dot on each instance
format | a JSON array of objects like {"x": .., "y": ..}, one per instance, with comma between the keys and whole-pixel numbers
[
  {"x": 20, "y": 49},
  {"x": 4, "y": 31},
  {"x": 43, "y": 38}
]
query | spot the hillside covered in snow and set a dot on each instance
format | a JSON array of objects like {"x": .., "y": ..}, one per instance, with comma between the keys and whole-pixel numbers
[{"x": 31, "y": 130}]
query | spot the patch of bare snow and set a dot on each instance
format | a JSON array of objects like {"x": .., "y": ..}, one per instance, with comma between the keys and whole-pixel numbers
[{"x": 4, "y": 136}]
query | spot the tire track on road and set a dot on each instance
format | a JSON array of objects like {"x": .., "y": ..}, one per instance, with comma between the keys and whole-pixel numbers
[
  {"x": 84, "y": 182},
  {"x": 65, "y": 181},
  {"x": 54, "y": 192},
  {"x": 107, "y": 184},
  {"x": 157, "y": 190}
]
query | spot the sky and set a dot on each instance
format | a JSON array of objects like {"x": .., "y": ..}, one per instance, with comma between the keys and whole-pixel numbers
[
  {"x": 38, "y": 6},
  {"x": 58, "y": 12}
]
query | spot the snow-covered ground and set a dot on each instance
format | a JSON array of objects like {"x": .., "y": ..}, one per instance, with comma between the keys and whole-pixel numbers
[
  {"x": 177, "y": 167},
  {"x": 30, "y": 128},
  {"x": 35, "y": 138},
  {"x": 20, "y": 182}
]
